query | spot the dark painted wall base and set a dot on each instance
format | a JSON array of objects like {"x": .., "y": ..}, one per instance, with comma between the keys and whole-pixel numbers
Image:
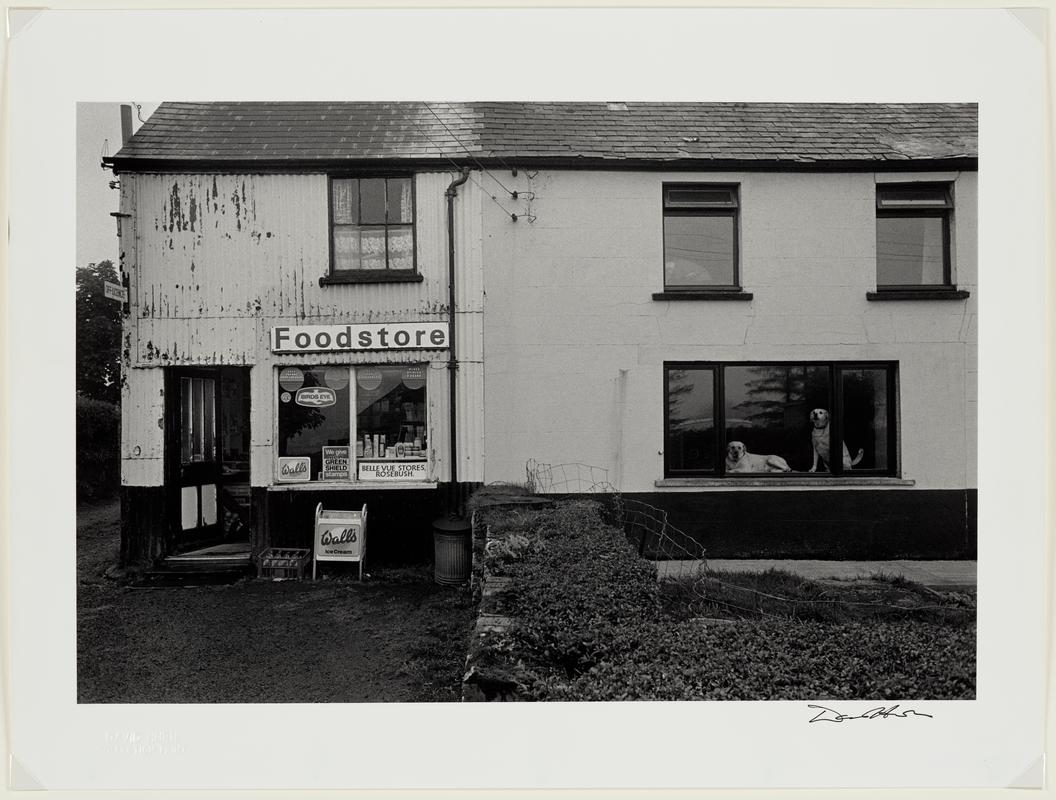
[
  {"x": 399, "y": 523},
  {"x": 870, "y": 525},
  {"x": 143, "y": 524},
  {"x": 861, "y": 524}
]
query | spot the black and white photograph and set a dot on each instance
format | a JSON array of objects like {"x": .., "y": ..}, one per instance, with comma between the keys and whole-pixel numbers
[
  {"x": 551, "y": 416},
  {"x": 676, "y": 401}
]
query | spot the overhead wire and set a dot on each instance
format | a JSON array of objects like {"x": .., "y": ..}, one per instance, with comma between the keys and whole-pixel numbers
[
  {"x": 513, "y": 193},
  {"x": 453, "y": 110},
  {"x": 468, "y": 151},
  {"x": 458, "y": 166}
]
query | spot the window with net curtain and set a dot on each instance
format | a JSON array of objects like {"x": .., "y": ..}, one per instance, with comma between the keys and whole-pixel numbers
[
  {"x": 372, "y": 224},
  {"x": 913, "y": 236}
]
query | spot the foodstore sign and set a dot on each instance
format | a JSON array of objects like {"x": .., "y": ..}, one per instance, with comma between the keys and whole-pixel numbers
[{"x": 353, "y": 338}]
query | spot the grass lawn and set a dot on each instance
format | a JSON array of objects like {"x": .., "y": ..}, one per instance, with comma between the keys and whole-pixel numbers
[{"x": 397, "y": 637}]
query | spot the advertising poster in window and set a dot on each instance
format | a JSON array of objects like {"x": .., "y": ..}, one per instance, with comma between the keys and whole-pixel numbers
[
  {"x": 294, "y": 470},
  {"x": 335, "y": 463},
  {"x": 393, "y": 471}
]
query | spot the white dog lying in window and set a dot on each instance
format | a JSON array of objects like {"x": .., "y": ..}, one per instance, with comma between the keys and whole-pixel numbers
[
  {"x": 819, "y": 437},
  {"x": 738, "y": 459}
]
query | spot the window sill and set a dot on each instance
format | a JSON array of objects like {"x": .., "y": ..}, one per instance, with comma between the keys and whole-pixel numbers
[
  {"x": 798, "y": 480},
  {"x": 918, "y": 294},
  {"x": 704, "y": 294},
  {"x": 372, "y": 276},
  {"x": 348, "y": 486}
]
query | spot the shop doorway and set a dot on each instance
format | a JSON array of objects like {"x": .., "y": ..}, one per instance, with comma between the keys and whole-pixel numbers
[{"x": 207, "y": 462}]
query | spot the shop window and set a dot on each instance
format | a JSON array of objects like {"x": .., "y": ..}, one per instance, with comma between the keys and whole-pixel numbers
[
  {"x": 779, "y": 419},
  {"x": 700, "y": 237},
  {"x": 372, "y": 229},
  {"x": 364, "y": 422},
  {"x": 913, "y": 236}
]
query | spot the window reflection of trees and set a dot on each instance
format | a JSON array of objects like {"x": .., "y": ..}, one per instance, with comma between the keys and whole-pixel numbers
[
  {"x": 768, "y": 409},
  {"x": 691, "y": 423}
]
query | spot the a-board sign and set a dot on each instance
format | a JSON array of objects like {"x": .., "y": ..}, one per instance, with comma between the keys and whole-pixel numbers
[
  {"x": 339, "y": 536},
  {"x": 115, "y": 291},
  {"x": 336, "y": 463},
  {"x": 295, "y": 468},
  {"x": 393, "y": 470}
]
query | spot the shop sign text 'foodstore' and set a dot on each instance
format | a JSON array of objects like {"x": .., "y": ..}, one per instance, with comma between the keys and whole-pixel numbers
[{"x": 351, "y": 338}]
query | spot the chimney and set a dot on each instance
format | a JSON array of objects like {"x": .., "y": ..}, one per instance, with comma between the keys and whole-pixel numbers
[{"x": 126, "y": 124}]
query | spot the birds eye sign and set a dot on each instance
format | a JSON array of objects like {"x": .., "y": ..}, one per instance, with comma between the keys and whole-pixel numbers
[{"x": 354, "y": 338}]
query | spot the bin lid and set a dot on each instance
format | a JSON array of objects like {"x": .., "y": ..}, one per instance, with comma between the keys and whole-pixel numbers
[{"x": 449, "y": 525}]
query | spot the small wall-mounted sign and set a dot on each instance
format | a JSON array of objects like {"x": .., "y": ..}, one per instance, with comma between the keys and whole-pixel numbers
[
  {"x": 115, "y": 291},
  {"x": 316, "y": 397},
  {"x": 294, "y": 469},
  {"x": 393, "y": 470},
  {"x": 336, "y": 463},
  {"x": 352, "y": 338}
]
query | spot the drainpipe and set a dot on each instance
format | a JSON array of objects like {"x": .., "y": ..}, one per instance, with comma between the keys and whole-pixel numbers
[{"x": 452, "y": 363}]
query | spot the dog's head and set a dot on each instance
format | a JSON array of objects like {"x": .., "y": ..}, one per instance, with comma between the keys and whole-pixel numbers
[
  {"x": 735, "y": 451},
  {"x": 820, "y": 418}
]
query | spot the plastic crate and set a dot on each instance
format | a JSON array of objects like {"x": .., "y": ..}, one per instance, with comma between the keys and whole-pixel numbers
[{"x": 284, "y": 563}]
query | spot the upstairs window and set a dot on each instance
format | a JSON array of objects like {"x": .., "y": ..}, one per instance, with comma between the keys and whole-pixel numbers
[
  {"x": 700, "y": 237},
  {"x": 372, "y": 229},
  {"x": 913, "y": 236}
]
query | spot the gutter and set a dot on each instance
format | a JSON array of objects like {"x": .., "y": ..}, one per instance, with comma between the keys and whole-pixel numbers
[{"x": 452, "y": 363}]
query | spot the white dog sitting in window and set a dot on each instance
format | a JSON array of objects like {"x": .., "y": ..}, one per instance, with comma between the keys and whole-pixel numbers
[
  {"x": 819, "y": 437},
  {"x": 738, "y": 459}
]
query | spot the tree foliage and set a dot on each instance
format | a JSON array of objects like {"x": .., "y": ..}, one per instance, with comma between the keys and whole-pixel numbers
[{"x": 98, "y": 334}]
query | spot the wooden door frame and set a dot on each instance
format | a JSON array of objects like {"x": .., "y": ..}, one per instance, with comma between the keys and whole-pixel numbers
[{"x": 175, "y": 538}]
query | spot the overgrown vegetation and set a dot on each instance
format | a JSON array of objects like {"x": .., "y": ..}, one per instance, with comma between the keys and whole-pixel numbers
[
  {"x": 591, "y": 622},
  {"x": 98, "y": 456},
  {"x": 98, "y": 328}
]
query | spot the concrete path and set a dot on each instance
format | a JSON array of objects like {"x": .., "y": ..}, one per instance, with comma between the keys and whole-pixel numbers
[{"x": 948, "y": 575}]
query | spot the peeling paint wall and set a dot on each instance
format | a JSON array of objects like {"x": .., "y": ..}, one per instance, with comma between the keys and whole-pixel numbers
[
  {"x": 237, "y": 254},
  {"x": 576, "y": 344},
  {"x": 143, "y": 428},
  {"x": 217, "y": 260}
]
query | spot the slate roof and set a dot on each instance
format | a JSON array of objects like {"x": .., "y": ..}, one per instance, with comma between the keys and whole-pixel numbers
[{"x": 253, "y": 135}]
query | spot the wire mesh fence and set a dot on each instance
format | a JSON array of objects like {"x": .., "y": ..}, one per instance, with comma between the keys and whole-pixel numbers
[{"x": 644, "y": 524}]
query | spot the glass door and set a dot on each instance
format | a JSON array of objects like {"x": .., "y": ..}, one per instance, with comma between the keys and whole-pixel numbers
[{"x": 194, "y": 455}]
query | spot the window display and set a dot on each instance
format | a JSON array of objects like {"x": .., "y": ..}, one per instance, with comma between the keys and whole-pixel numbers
[{"x": 350, "y": 420}]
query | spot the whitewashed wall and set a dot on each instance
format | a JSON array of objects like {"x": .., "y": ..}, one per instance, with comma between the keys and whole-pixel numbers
[
  {"x": 216, "y": 261},
  {"x": 576, "y": 344}
]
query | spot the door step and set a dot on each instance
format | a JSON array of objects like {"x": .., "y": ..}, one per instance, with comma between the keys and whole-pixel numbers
[{"x": 231, "y": 558}]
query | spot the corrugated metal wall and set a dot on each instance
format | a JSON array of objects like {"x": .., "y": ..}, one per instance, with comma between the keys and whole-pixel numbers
[
  {"x": 216, "y": 261},
  {"x": 143, "y": 428}
]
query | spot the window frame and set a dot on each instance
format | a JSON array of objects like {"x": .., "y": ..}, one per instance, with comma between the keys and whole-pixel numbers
[
  {"x": 386, "y": 275},
  {"x": 908, "y": 211},
  {"x": 353, "y": 430},
  {"x": 732, "y": 211},
  {"x": 836, "y": 432}
]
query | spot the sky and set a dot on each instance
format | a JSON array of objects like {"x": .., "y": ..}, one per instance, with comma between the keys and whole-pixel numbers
[{"x": 98, "y": 134}]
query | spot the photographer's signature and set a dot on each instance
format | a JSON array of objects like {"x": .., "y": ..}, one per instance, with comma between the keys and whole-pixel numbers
[{"x": 826, "y": 714}]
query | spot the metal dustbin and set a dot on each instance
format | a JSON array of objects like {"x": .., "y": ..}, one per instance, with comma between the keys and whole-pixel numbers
[{"x": 452, "y": 551}]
